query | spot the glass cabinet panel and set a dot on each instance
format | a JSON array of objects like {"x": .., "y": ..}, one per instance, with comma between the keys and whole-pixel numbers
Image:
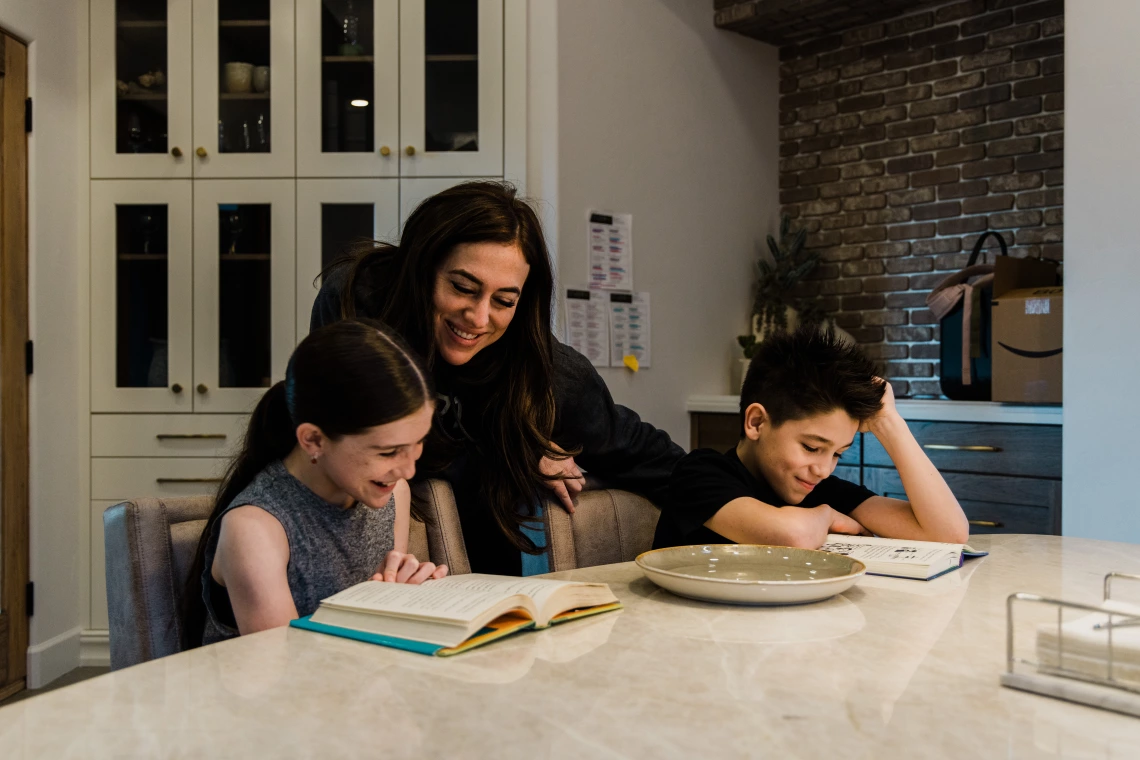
[
  {"x": 141, "y": 70},
  {"x": 141, "y": 296},
  {"x": 343, "y": 225},
  {"x": 244, "y": 86},
  {"x": 348, "y": 65},
  {"x": 451, "y": 75},
  {"x": 244, "y": 295}
]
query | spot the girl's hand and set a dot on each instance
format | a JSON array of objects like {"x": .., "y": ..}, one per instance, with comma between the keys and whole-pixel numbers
[
  {"x": 564, "y": 478},
  {"x": 400, "y": 567}
]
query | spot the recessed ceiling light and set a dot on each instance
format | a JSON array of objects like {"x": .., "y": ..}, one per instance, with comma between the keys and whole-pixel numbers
[{"x": 359, "y": 103}]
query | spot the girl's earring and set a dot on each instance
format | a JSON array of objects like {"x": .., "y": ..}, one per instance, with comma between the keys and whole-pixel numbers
[{"x": 313, "y": 460}]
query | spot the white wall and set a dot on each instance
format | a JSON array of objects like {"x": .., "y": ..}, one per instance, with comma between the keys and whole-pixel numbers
[
  {"x": 664, "y": 116},
  {"x": 1102, "y": 363},
  {"x": 57, "y": 163}
]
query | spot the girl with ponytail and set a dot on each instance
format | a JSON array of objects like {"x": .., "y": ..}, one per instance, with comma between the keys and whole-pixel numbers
[{"x": 317, "y": 500}]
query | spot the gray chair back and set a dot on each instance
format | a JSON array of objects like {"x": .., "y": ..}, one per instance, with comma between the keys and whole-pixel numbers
[
  {"x": 608, "y": 525},
  {"x": 150, "y": 544}
]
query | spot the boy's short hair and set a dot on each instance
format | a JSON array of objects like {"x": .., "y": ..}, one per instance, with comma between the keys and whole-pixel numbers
[{"x": 809, "y": 372}]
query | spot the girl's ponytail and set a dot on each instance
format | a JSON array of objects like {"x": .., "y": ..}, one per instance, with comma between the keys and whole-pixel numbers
[{"x": 270, "y": 436}]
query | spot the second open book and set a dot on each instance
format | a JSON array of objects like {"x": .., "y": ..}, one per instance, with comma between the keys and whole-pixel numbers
[
  {"x": 453, "y": 614},
  {"x": 899, "y": 557}
]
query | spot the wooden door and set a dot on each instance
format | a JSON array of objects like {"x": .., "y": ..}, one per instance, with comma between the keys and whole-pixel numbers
[{"x": 13, "y": 365}]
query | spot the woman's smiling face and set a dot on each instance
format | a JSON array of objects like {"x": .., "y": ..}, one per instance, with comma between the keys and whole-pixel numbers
[{"x": 477, "y": 291}]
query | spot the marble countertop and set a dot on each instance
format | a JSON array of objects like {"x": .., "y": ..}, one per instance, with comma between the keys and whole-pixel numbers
[
  {"x": 920, "y": 409},
  {"x": 892, "y": 668}
]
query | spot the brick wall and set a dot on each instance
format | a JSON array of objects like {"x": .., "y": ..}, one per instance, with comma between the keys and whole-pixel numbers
[{"x": 902, "y": 141}]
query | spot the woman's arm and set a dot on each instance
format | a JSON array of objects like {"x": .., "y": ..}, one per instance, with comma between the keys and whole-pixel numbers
[
  {"x": 251, "y": 561},
  {"x": 616, "y": 446}
]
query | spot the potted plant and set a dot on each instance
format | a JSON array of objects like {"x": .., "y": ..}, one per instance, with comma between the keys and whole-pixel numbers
[{"x": 776, "y": 309}]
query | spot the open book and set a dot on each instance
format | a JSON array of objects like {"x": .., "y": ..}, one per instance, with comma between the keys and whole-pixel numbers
[
  {"x": 454, "y": 614},
  {"x": 899, "y": 557}
]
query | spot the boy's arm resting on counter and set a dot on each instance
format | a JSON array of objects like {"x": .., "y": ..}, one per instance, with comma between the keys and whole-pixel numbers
[
  {"x": 931, "y": 513},
  {"x": 751, "y": 521}
]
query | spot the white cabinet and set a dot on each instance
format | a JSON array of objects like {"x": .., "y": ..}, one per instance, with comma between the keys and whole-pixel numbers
[
  {"x": 181, "y": 330},
  {"x": 451, "y": 88},
  {"x": 348, "y": 88},
  {"x": 244, "y": 290},
  {"x": 141, "y": 296},
  {"x": 183, "y": 88},
  {"x": 137, "y": 130},
  {"x": 237, "y": 148},
  {"x": 331, "y": 215},
  {"x": 243, "y": 88}
]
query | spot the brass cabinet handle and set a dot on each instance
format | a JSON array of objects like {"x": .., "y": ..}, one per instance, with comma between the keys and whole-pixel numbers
[
  {"x": 191, "y": 436},
  {"x": 201, "y": 152},
  {"x": 203, "y": 388},
  {"x": 385, "y": 150},
  {"x": 410, "y": 150},
  {"x": 176, "y": 152},
  {"x": 986, "y": 523},
  {"x": 952, "y": 447},
  {"x": 165, "y": 481},
  {"x": 176, "y": 388}
]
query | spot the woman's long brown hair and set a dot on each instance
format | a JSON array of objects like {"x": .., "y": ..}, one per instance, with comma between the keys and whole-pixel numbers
[{"x": 395, "y": 284}]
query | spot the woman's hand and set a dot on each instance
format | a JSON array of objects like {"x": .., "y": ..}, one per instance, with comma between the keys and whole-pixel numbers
[
  {"x": 400, "y": 567},
  {"x": 564, "y": 478}
]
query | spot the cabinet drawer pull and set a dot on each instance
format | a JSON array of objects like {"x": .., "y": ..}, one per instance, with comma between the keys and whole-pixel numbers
[
  {"x": 166, "y": 481},
  {"x": 986, "y": 523},
  {"x": 952, "y": 447},
  {"x": 191, "y": 436}
]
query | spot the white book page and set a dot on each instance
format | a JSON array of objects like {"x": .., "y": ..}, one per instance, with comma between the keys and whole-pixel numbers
[
  {"x": 427, "y": 600},
  {"x": 538, "y": 589},
  {"x": 896, "y": 550}
]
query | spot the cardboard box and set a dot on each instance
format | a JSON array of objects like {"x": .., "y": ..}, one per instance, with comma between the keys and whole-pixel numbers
[{"x": 1027, "y": 330}]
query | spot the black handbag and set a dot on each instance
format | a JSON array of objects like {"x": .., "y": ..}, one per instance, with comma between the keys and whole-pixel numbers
[{"x": 966, "y": 370}]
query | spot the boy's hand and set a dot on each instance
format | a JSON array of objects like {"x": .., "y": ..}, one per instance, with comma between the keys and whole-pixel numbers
[
  {"x": 816, "y": 522},
  {"x": 841, "y": 523},
  {"x": 888, "y": 414}
]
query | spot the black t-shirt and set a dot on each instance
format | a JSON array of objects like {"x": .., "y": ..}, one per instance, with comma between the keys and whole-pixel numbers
[{"x": 706, "y": 480}]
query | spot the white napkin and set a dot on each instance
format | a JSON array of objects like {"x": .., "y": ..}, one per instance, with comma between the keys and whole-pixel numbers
[{"x": 1084, "y": 648}]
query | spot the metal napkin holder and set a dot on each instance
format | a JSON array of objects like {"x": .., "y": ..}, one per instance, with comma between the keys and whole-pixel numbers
[{"x": 1108, "y": 693}]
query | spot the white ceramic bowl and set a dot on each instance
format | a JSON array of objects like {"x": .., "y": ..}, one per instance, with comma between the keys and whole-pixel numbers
[{"x": 750, "y": 574}]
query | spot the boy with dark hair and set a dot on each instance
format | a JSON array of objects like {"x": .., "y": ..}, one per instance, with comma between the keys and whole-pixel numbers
[{"x": 804, "y": 398}]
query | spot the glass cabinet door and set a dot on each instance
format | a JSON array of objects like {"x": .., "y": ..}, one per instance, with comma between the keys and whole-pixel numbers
[
  {"x": 243, "y": 88},
  {"x": 348, "y": 70},
  {"x": 140, "y": 88},
  {"x": 332, "y": 215},
  {"x": 451, "y": 88},
  {"x": 244, "y": 274},
  {"x": 141, "y": 296}
]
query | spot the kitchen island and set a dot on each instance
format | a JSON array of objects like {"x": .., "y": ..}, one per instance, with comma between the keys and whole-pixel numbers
[{"x": 891, "y": 668}]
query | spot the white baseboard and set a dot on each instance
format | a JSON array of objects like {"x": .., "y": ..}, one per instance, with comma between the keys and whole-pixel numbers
[
  {"x": 53, "y": 658},
  {"x": 95, "y": 648}
]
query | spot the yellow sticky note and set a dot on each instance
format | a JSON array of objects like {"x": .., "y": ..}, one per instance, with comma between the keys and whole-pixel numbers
[{"x": 630, "y": 361}]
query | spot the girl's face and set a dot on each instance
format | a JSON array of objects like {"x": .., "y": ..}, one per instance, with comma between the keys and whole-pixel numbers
[
  {"x": 368, "y": 465},
  {"x": 477, "y": 291}
]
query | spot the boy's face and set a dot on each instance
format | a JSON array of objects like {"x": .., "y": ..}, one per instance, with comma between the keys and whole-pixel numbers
[{"x": 795, "y": 456}]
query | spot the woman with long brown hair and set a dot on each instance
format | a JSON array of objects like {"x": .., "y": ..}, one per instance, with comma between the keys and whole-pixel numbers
[{"x": 470, "y": 288}]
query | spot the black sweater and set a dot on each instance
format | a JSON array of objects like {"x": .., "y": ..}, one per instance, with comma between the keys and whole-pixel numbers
[{"x": 617, "y": 448}]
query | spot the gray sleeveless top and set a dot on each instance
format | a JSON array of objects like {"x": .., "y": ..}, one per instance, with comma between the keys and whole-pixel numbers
[{"x": 330, "y": 547}]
